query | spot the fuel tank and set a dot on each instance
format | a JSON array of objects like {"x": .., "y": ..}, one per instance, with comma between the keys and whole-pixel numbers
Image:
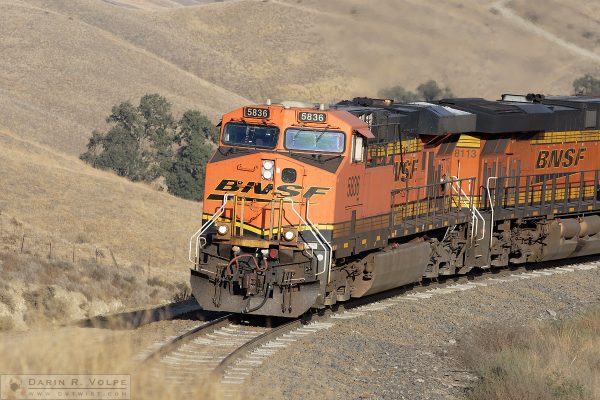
[
  {"x": 573, "y": 237},
  {"x": 390, "y": 268}
]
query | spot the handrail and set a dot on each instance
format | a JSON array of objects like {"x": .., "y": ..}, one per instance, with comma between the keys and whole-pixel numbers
[
  {"x": 475, "y": 217},
  {"x": 198, "y": 234},
  {"x": 487, "y": 188},
  {"x": 330, "y": 249},
  {"x": 320, "y": 238}
]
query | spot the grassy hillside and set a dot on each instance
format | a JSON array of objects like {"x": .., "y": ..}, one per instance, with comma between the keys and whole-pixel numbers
[
  {"x": 59, "y": 76},
  {"x": 66, "y": 62},
  {"x": 579, "y": 25},
  {"x": 549, "y": 361},
  {"x": 49, "y": 192},
  {"x": 467, "y": 45}
]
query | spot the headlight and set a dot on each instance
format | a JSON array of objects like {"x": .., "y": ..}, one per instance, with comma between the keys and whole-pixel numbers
[
  {"x": 222, "y": 230},
  {"x": 289, "y": 235},
  {"x": 267, "y": 174},
  {"x": 267, "y": 169},
  {"x": 268, "y": 164}
]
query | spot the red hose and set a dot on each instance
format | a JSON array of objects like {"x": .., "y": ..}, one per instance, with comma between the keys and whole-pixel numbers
[
  {"x": 266, "y": 266},
  {"x": 235, "y": 259}
]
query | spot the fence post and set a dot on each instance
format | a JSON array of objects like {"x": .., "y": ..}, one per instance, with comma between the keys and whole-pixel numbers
[
  {"x": 22, "y": 243},
  {"x": 148, "y": 270},
  {"x": 73, "y": 253},
  {"x": 50, "y": 253},
  {"x": 113, "y": 258}
]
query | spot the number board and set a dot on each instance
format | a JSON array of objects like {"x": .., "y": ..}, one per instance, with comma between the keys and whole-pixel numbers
[
  {"x": 307, "y": 116},
  {"x": 255, "y": 112}
]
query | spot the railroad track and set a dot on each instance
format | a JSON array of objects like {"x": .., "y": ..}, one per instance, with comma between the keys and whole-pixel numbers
[
  {"x": 229, "y": 347},
  {"x": 211, "y": 348}
]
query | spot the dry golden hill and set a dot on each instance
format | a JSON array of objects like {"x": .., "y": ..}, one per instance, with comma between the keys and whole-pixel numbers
[
  {"x": 55, "y": 193},
  {"x": 576, "y": 22},
  {"x": 64, "y": 63},
  {"x": 59, "y": 76}
]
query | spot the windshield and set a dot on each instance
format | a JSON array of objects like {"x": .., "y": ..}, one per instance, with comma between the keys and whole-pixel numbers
[
  {"x": 317, "y": 141},
  {"x": 251, "y": 135}
]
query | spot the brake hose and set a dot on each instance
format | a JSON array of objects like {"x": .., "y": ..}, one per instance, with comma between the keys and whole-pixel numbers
[
  {"x": 262, "y": 303},
  {"x": 237, "y": 267}
]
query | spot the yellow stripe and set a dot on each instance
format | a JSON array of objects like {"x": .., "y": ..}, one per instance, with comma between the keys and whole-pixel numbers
[
  {"x": 566, "y": 137},
  {"x": 259, "y": 231},
  {"x": 397, "y": 147},
  {"x": 468, "y": 141}
]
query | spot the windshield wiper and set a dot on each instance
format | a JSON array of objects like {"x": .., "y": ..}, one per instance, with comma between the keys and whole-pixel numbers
[
  {"x": 315, "y": 157},
  {"x": 332, "y": 158},
  {"x": 232, "y": 150},
  {"x": 224, "y": 152}
]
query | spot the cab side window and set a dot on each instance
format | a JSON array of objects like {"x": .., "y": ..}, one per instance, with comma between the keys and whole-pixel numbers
[{"x": 358, "y": 149}]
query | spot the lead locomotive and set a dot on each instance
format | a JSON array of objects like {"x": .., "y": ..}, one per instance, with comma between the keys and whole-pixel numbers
[{"x": 306, "y": 206}]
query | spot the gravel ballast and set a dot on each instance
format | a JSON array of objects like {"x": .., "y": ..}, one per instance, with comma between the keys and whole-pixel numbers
[{"x": 411, "y": 349}]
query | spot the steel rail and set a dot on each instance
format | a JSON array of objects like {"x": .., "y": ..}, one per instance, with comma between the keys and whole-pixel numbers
[
  {"x": 253, "y": 344},
  {"x": 207, "y": 327}
]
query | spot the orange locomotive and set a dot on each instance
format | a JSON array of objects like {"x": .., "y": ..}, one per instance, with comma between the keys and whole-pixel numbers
[{"x": 306, "y": 206}]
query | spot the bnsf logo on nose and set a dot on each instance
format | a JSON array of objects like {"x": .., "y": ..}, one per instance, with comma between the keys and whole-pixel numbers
[
  {"x": 559, "y": 158},
  {"x": 232, "y": 185}
]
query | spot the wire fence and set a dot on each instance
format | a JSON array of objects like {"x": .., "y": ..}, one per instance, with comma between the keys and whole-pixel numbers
[{"x": 18, "y": 238}]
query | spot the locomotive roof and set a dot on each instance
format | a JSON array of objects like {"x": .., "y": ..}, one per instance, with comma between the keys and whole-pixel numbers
[
  {"x": 477, "y": 115},
  {"x": 514, "y": 116},
  {"x": 420, "y": 118}
]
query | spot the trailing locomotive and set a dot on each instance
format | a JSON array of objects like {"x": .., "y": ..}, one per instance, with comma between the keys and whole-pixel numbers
[{"x": 306, "y": 206}]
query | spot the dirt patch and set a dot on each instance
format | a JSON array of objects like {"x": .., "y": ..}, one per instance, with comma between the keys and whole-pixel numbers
[{"x": 36, "y": 292}]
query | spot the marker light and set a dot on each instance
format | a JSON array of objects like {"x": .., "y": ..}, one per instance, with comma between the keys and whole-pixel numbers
[
  {"x": 222, "y": 230},
  {"x": 289, "y": 235}
]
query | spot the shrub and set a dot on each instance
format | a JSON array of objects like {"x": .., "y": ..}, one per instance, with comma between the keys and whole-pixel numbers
[
  {"x": 587, "y": 85},
  {"x": 426, "y": 91},
  {"x": 6, "y": 323},
  {"x": 145, "y": 143},
  {"x": 6, "y": 298}
]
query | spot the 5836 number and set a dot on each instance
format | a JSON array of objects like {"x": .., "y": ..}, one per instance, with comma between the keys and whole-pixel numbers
[
  {"x": 306, "y": 116},
  {"x": 255, "y": 112}
]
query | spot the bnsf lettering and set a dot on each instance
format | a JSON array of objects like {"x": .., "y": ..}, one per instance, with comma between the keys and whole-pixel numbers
[
  {"x": 559, "y": 158},
  {"x": 228, "y": 185},
  {"x": 404, "y": 171},
  {"x": 289, "y": 190},
  {"x": 232, "y": 185},
  {"x": 314, "y": 191}
]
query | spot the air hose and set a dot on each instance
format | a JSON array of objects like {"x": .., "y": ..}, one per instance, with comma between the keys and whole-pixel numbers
[
  {"x": 262, "y": 303},
  {"x": 234, "y": 261}
]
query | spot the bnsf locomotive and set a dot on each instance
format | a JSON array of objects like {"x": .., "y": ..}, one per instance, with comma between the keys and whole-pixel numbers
[{"x": 307, "y": 205}]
